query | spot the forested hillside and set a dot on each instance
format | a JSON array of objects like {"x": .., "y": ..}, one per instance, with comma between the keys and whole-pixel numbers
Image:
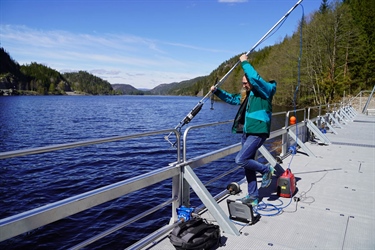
[
  {"x": 43, "y": 80},
  {"x": 38, "y": 79},
  {"x": 10, "y": 73},
  {"x": 337, "y": 47},
  {"x": 85, "y": 82}
]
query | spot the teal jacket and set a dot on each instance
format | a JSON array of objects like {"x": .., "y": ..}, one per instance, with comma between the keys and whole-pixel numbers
[{"x": 258, "y": 114}]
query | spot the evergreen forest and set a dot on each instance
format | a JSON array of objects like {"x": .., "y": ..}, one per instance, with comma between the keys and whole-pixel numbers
[{"x": 330, "y": 54}]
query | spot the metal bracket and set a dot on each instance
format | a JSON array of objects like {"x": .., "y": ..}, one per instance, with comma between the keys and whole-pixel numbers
[
  {"x": 267, "y": 155},
  {"x": 207, "y": 199},
  {"x": 328, "y": 125},
  {"x": 301, "y": 144},
  {"x": 345, "y": 114},
  {"x": 341, "y": 118},
  {"x": 350, "y": 112},
  {"x": 317, "y": 132},
  {"x": 336, "y": 122}
]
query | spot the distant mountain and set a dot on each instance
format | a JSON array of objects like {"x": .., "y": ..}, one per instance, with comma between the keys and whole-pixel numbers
[
  {"x": 175, "y": 87},
  {"x": 163, "y": 89},
  {"x": 127, "y": 89}
]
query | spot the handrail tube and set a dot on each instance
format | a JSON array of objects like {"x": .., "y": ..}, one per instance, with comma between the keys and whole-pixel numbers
[
  {"x": 195, "y": 127},
  {"x": 36, "y": 217},
  {"x": 209, "y": 157},
  {"x": 121, "y": 225},
  {"x": 360, "y": 95},
  {"x": 272, "y": 135},
  {"x": 294, "y": 111},
  {"x": 24, "y": 152},
  {"x": 151, "y": 237},
  {"x": 277, "y": 133},
  {"x": 184, "y": 146},
  {"x": 52, "y": 212},
  {"x": 279, "y": 113},
  {"x": 222, "y": 175}
]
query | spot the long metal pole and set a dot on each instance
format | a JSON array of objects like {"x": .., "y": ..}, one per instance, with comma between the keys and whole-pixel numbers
[
  {"x": 256, "y": 45},
  {"x": 198, "y": 107}
]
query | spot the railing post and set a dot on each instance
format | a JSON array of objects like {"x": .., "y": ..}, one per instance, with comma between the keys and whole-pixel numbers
[
  {"x": 284, "y": 137},
  {"x": 177, "y": 184}
]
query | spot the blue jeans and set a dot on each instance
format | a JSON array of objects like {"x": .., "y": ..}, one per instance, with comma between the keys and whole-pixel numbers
[{"x": 245, "y": 159}]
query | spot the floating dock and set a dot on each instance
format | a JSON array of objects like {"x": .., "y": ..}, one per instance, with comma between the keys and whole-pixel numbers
[{"x": 333, "y": 207}]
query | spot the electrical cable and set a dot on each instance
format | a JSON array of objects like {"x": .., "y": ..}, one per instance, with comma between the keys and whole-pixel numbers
[
  {"x": 267, "y": 209},
  {"x": 299, "y": 79},
  {"x": 302, "y": 197}
]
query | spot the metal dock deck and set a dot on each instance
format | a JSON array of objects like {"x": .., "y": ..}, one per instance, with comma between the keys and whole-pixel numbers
[{"x": 336, "y": 207}]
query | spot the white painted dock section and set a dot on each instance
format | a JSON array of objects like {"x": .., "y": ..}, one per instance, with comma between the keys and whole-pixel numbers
[{"x": 336, "y": 191}]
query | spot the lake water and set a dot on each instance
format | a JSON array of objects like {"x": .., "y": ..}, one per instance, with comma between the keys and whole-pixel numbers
[{"x": 32, "y": 181}]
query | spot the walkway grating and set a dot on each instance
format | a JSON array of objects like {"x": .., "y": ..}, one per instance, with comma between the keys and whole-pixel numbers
[
  {"x": 336, "y": 191},
  {"x": 354, "y": 144}
]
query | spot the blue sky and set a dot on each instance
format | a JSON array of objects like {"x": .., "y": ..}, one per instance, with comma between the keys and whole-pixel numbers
[{"x": 142, "y": 43}]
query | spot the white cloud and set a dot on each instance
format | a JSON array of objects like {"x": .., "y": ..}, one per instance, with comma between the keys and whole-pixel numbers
[
  {"x": 118, "y": 58},
  {"x": 105, "y": 72}
]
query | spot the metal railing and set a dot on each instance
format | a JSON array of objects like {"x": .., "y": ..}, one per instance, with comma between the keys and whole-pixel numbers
[
  {"x": 364, "y": 96},
  {"x": 32, "y": 219}
]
